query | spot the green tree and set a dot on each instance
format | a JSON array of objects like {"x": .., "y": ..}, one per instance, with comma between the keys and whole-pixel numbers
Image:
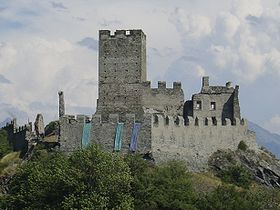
[
  {"x": 237, "y": 175},
  {"x": 5, "y": 147},
  {"x": 88, "y": 179},
  {"x": 161, "y": 187}
]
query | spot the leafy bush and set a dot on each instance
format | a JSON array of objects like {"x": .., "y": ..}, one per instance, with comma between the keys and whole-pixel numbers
[
  {"x": 237, "y": 175},
  {"x": 162, "y": 187},
  {"x": 242, "y": 146},
  {"x": 5, "y": 147},
  {"x": 93, "y": 179},
  {"x": 88, "y": 178},
  {"x": 230, "y": 198},
  {"x": 51, "y": 127}
]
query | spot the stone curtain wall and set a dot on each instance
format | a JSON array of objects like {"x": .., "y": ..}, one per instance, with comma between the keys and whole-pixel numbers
[
  {"x": 195, "y": 142},
  {"x": 103, "y": 132},
  {"x": 167, "y": 138},
  {"x": 17, "y": 135}
]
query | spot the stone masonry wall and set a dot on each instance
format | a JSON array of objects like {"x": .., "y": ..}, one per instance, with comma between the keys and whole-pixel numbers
[
  {"x": 103, "y": 132},
  {"x": 224, "y": 105},
  {"x": 122, "y": 68},
  {"x": 195, "y": 142},
  {"x": 168, "y": 101},
  {"x": 71, "y": 132}
]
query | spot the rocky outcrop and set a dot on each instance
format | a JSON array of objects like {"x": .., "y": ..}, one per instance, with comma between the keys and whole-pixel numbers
[{"x": 262, "y": 165}]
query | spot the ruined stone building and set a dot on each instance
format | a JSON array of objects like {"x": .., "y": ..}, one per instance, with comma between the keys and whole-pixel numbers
[
  {"x": 133, "y": 117},
  {"x": 17, "y": 135},
  {"x": 23, "y": 138}
]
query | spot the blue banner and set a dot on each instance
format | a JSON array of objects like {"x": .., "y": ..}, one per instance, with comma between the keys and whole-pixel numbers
[
  {"x": 86, "y": 134},
  {"x": 134, "y": 136},
  {"x": 118, "y": 137}
]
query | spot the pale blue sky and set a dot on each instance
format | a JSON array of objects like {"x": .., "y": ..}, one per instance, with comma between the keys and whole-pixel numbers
[{"x": 46, "y": 46}]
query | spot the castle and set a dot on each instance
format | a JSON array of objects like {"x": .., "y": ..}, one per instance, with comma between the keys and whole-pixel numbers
[{"x": 133, "y": 117}]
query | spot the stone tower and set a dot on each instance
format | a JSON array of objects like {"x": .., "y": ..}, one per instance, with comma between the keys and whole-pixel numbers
[
  {"x": 61, "y": 109},
  {"x": 122, "y": 69}
]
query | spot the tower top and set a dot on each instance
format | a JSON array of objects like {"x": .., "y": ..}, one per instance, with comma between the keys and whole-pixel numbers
[{"x": 106, "y": 34}]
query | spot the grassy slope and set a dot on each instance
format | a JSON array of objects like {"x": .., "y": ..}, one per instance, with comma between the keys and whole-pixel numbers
[{"x": 9, "y": 163}]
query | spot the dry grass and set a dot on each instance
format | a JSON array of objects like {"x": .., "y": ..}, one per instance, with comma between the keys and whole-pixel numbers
[
  {"x": 9, "y": 163},
  {"x": 205, "y": 182},
  {"x": 52, "y": 138}
]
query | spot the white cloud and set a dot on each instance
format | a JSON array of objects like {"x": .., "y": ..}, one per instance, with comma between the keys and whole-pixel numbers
[
  {"x": 39, "y": 68},
  {"x": 192, "y": 26},
  {"x": 273, "y": 124},
  {"x": 243, "y": 8},
  {"x": 227, "y": 25},
  {"x": 227, "y": 40},
  {"x": 243, "y": 41}
]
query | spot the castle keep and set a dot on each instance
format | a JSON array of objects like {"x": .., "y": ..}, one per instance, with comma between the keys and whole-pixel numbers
[{"x": 133, "y": 117}]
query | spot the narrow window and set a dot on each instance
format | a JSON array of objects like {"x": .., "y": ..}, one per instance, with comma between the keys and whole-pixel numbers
[
  {"x": 213, "y": 106},
  {"x": 198, "y": 105}
]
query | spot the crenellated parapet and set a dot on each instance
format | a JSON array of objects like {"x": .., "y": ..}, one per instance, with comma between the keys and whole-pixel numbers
[
  {"x": 161, "y": 86},
  {"x": 107, "y": 34},
  {"x": 22, "y": 128},
  {"x": 12, "y": 125},
  {"x": 74, "y": 119},
  {"x": 13, "y": 128},
  {"x": 179, "y": 121}
]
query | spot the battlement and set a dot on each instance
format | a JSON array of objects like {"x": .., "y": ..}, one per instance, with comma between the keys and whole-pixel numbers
[
  {"x": 162, "y": 85},
  {"x": 14, "y": 129},
  {"x": 107, "y": 34},
  {"x": 208, "y": 89},
  {"x": 179, "y": 121},
  {"x": 11, "y": 124},
  {"x": 23, "y": 128},
  {"x": 72, "y": 119},
  {"x": 113, "y": 118},
  {"x": 98, "y": 119}
]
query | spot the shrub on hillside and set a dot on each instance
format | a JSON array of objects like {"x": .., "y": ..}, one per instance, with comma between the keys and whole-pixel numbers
[
  {"x": 52, "y": 127},
  {"x": 161, "y": 187},
  {"x": 237, "y": 175},
  {"x": 5, "y": 147},
  {"x": 230, "y": 198},
  {"x": 88, "y": 178},
  {"x": 242, "y": 146}
]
